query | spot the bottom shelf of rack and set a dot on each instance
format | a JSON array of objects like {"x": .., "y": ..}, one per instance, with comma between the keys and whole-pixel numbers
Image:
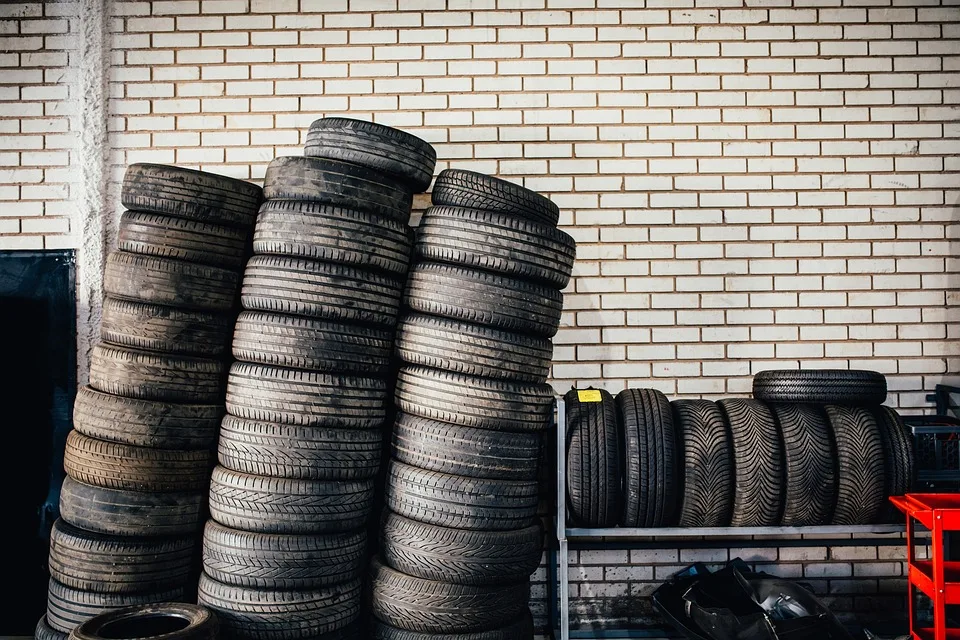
[{"x": 577, "y": 533}]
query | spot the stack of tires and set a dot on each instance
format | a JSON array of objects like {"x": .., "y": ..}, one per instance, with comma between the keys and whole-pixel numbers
[
  {"x": 812, "y": 448},
  {"x": 308, "y": 397},
  {"x": 138, "y": 460},
  {"x": 460, "y": 536}
]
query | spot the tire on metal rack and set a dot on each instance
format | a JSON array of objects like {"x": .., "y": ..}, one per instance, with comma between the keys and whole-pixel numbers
[
  {"x": 861, "y": 479},
  {"x": 706, "y": 454},
  {"x": 594, "y": 458},
  {"x": 810, "y": 489},
  {"x": 651, "y": 470},
  {"x": 821, "y": 386},
  {"x": 899, "y": 458}
]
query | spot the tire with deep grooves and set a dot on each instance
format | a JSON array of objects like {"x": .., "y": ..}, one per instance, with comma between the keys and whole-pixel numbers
[
  {"x": 151, "y": 234},
  {"x": 520, "y": 629},
  {"x": 461, "y": 188},
  {"x": 651, "y": 468},
  {"x": 67, "y": 607},
  {"x": 810, "y": 465},
  {"x": 898, "y": 452},
  {"x": 860, "y": 465},
  {"x": 151, "y": 376},
  {"x": 758, "y": 462},
  {"x": 594, "y": 459},
  {"x": 44, "y": 631},
  {"x": 706, "y": 461},
  {"x": 152, "y": 327},
  {"x": 821, "y": 386}
]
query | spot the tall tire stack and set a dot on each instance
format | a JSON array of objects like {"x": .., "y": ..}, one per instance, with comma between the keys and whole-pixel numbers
[
  {"x": 308, "y": 397},
  {"x": 138, "y": 460},
  {"x": 460, "y": 535}
]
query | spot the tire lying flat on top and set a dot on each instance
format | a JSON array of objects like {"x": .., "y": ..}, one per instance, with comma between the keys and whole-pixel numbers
[
  {"x": 594, "y": 458},
  {"x": 153, "y": 327},
  {"x": 67, "y": 608},
  {"x": 188, "y": 240},
  {"x": 461, "y": 188},
  {"x": 650, "y": 470},
  {"x": 821, "y": 386},
  {"x": 706, "y": 454},
  {"x": 149, "y": 376}
]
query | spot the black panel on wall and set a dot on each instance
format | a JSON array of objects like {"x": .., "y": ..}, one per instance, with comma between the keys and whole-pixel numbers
[{"x": 38, "y": 343}]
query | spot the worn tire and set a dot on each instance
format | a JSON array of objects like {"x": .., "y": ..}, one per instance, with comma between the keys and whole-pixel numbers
[
  {"x": 860, "y": 465},
  {"x": 118, "y": 564},
  {"x": 267, "y": 614},
  {"x": 460, "y": 556},
  {"x": 149, "y": 376},
  {"x": 152, "y": 327},
  {"x": 461, "y": 188},
  {"x": 281, "y": 505},
  {"x": 484, "y": 298},
  {"x": 472, "y": 349},
  {"x": 898, "y": 452},
  {"x": 706, "y": 460},
  {"x": 821, "y": 386},
  {"x": 810, "y": 489},
  {"x": 68, "y": 608},
  {"x": 44, "y": 631},
  {"x": 160, "y": 621},
  {"x": 651, "y": 472},
  {"x": 289, "y": 451},
  {"x": 146, "y": 423},
  {"x": 465, "y": 451},
  {"x": 594, "y": 459},
  {"x": 306, "y": 398},
  {"x": 281, "y": 561},
  {"x": 520, "y": 629},
  {"x": 169, "y": 282},
  {"x": 296, "y": 342},
  {"x": 186, "y": 193},
  {"x": 151, "y": 234},
  {"x": 473, "y": 402},
  {"x": 758, "y": 461},
  {"x": 337, "y": 184}
]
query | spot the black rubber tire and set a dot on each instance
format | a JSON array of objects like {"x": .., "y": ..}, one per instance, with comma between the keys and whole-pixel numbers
[
  {"x": 706, "y": 461},
  {"x": 337, "y": 184},
  {"x": 121, "y": 466},
  {"x": 314, "y": 231},
  {"x": 497, "y": 242},
  {"x": 131, "y": 513},
  {"x": 460, "y": 556},
  {"x": 594, "y": 459},
  {"x": 296, "y": 342},
  {"x": 278, "y": 561},
  {"x": 306, "y": 398},
  {"x": 462, "y": 503},
  {"x": 44, "y": 631},
  {"x": 151, "y": 234},
  {"x": 898, "y": 452},
  {"x": 68, "y": 608},
  {"x": 288, "y": 451},
  {"x": 465, "y": 451},
  {"x": 821, "y": 386},
  {"x": 651, "y": 469},
  {"x": 472, "y": 349},
  {"x": 323, "y": 290},
  {"x": 186, "y": 193},
  {"x": 416, "y": 604},
  {"x": 520, "y": 629},
  {"x": 461, "y": 188},
  {"x": 151, "y": 376},
  {"x": 268, "y": 614},
  {"x": 146, "y": 423},
  {"x": 118, "y": 564},
  {"x": 810, "y": 489},
  {"x": 473, "y": 402},
  {"x": 163, "y": 621},
  {"x": 483, "y": 298},
  {"x": 861, "y": 480},
  {"x": 281, "y": 505},
  {"x": 758, "y": 462},
  {"x": 152, "y": 327},
  {"x": 169, "y": 282}
]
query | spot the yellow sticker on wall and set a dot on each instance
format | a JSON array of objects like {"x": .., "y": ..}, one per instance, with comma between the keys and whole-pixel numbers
[{"x": 589, "y": 395}]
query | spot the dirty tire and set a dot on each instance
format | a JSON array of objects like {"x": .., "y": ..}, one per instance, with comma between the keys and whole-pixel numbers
[
  {"x": 472, "y": 349},
  {"x": 152, "y": 327},
  {"x": 44, "y": 631},
  {"x": 594, "y": 459},
  {"x": 821, "y": 386},
  {"x": 151, "y": 234},
  {"x": 150, "y": 376},
  {"x": 289, "y": 451},
  {"x": 314, "y": 345},
  {"x": 651, "y": 472},
  {"x": 266, "y": 614},
  {"x": 337, "y": 184},
  {"x": 186, "y": 193},
  {"x": 118, "y": 564},
  {"x": 146, "y": 423},
  {"x": 898, "y": 452},
  {"x": 399, "y": 154},
  {"x": 520, "y": 629},
  {"x": 459, "y": 555},
  {"x": 473, "y": 402},
  {"x": 810, "y": 457},
  {"x": 282, "y": 505},
  {"x": 484, "y": 298},
  {"x": 459, "y": 502},
  {"x": 120, "y": 466},
  {"x": 465, "y": 451},
  {"x": 281, "y": 561},
  {"x": 169, "y": 282},
  {"x": 67, "y": 608},
  {"x": 315, "y": 231},
  {"x": 706, "y": 461},
  {"x": 200, "y": 623},
  {"x": 306, "y": 398},
  {"x": 461, "y": 188},
  {"x": 860, "y": 465},
  {"x": 322, "y": 290},
  {"x": 758, "y": 462}
]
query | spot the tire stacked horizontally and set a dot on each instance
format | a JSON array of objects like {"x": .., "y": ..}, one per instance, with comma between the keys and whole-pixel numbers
[
  {"x": 138, "y": 460},
  {"x": 309, "y": 393},
  {"x": 813, "y": 448},
  {"x": 460, "y": 535}
]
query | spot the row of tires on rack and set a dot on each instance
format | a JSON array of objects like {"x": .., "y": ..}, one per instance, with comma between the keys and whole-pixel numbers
[{"x": 811, "y": 448}]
